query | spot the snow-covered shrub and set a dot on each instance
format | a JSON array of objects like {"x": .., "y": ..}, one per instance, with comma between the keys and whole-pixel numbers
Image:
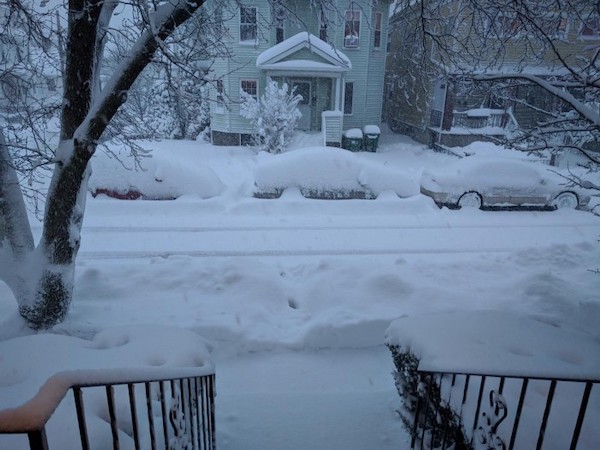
[
  {"x": 437, "y": 420},
  {"x": 274, "y": 116}
]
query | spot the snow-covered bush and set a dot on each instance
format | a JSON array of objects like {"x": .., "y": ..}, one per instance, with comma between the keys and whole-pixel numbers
[
  {"x": 423, "y": 388},
  {"x": 274, "y": 116}
]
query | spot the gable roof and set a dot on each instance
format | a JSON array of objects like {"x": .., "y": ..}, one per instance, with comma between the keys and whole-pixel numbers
[{"x": 331, "y": 60}]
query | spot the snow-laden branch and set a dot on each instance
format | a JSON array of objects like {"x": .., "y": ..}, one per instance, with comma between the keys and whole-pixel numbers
[{"x": 166, "y": 18}]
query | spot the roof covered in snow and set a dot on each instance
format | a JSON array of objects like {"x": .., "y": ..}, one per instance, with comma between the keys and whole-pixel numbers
[{"x": 329, "y": 59}]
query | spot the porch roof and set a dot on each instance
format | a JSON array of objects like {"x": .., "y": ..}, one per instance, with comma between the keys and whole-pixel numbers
[{"x": 328, "y": 61}]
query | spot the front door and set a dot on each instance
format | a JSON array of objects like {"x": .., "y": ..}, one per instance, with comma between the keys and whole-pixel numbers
[{"x": 303, "y": 88}]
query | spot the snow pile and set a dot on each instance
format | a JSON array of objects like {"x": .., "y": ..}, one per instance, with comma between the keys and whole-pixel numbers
[
  {"x": 496, "y": 342},
  {"x": 329, "y": 169},
  {"x": 159, "y": 178},
  {"x": 371, "y": 129},
  {"x": 353, "y": 133}
]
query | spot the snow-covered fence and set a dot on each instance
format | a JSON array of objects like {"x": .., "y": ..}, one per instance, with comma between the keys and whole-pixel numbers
[
  {"x": 493, "y": 411},
  {"x": 491, "y": 380},
  {"x": 154, "y": 408}
]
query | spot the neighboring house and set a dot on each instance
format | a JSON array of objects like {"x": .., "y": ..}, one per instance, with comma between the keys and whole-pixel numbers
[
  {"x": 336, "y": 63},
  {"x": 30, "y": 69},
  {"x": 453, "y": 110}
]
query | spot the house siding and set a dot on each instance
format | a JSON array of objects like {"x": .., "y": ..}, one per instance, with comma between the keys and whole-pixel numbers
[
  {"x": 368, "y": 66},
  {"x": 408, "y": 105}
]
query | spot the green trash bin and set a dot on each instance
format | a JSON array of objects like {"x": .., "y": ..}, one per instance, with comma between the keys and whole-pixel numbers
[
  {"x": 352, "y": 140},
  {"x": 371, "y": 139}
]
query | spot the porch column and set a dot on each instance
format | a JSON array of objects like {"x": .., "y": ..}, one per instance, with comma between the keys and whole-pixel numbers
[{"x": 338, "y": 93}]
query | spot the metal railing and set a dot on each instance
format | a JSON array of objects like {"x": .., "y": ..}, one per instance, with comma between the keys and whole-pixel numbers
[
  {"x": 473, "y": 119},
  {"x": 170, "y": 409},
  {"x": 503, "y": 412}
]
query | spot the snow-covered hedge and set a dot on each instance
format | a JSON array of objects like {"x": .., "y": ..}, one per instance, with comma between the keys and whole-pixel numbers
[
  {"x": 328, "y": 172},
  {"x": 497, "y": 344}
]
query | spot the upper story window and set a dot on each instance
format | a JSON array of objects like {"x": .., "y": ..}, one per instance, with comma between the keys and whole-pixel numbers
[
  {"x": 248, "y": 24},
  {"x": 279, "y": 35},
  {"x": 352, "y": 28},
  {"x": 507, "y": 25},
  {"x": 323, "y": 26},
  {"x": 377, "y": 30},
  {"x": 590, "y": 29},
  {"x": 555, "y": 26},
  {"x": 278, "y": 12}
]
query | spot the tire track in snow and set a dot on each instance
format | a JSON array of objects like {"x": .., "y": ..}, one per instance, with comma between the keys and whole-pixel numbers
[{"x": 281, "y": 253}]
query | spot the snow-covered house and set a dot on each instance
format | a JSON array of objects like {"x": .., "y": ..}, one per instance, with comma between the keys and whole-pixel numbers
[
  {"x": 453, "y": 109},
  {"x": 334, "y": 58}
]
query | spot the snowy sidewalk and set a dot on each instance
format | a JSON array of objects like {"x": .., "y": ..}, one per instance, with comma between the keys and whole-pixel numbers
[{"x": 325, "y": 400}]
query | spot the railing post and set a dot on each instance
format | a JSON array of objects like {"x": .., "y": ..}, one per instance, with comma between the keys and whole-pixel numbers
[{"x": 38, "y": 439}]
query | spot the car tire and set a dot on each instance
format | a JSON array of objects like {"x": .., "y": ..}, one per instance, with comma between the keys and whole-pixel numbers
[
  {"x": 470, "y": 200},
  {"x": 566, "y": 200}
]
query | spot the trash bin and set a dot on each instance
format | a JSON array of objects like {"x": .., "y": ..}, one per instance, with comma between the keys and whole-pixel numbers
[
  {"x": 352, "y": 140},
  {"x": 371, "y": 139}
]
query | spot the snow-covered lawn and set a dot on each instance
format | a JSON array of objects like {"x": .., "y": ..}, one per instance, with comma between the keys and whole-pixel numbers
[{"x": 293, "y": 296}]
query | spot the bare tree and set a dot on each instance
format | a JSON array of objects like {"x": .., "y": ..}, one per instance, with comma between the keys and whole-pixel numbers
[
  {"x": 41, "y": 277},
  {"x": 539, "y": 55}
]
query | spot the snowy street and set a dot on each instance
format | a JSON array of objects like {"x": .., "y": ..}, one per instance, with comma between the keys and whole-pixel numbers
[{"x": 379, "y": 227}]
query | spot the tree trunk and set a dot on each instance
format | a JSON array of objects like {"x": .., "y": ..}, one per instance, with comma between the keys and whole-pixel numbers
[
  {"x": 53, "y": 287},
  {"x": 42, "y": 278}
]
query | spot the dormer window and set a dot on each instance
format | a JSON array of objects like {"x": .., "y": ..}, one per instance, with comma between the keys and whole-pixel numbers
[{"x": 352, "y": 28}]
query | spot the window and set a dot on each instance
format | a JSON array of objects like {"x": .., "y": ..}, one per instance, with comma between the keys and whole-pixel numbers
[
  {"x": 555, "y": 26},
  {"x": 248, "y": 23},
  {"x": 348, "y": 94},
  {"x": 507, "y": 25},
  {"x": 278, "y": 35},
  {"x": 51, "y": 82},
  {"x": 590, "y": 29},
  {"x": 323, "y": 26},
  {"x": 250, "y": 87},
  {"x": 279, "y": 14},
  {"x": 352, "y": 29},
  {"x": 220, "y": 96},
  {"x": 377, "y": 28}
]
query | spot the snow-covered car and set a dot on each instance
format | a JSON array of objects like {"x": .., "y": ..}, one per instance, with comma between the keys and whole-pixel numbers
[
  {"x": 328, "y": 172},
  {"x": 159, "y": 178},
  {"x": 500, "y": 183}
]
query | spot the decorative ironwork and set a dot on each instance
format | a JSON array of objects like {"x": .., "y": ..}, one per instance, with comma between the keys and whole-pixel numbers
[
  {"x": 470, "y": 410},
  {"x": 184, "y": 400},
  {"x": 487, "y": 432}
]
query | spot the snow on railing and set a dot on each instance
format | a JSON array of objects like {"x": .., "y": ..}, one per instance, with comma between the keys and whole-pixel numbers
[{"x": 183, "y": 399}]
